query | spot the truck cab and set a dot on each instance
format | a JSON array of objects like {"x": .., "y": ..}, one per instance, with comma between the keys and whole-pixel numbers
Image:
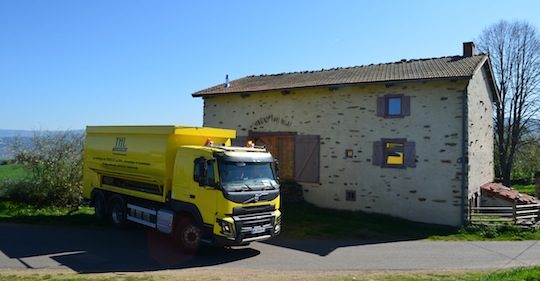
[{"x": 236, "y": 190}]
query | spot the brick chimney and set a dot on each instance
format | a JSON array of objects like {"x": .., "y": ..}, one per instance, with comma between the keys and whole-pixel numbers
[{"x": 468, "y": 49}]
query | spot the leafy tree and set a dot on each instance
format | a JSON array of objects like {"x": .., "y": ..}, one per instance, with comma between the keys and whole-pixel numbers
[
  {"x": 527, "y": 159},
  {"x": 514, "y": 49}
]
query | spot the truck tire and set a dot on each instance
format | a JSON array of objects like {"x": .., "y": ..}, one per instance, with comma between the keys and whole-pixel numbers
[
  {"x": 100, "y": 207},
  {"x": 118, "y": 211},
  {"x": 188, "y": 235}
]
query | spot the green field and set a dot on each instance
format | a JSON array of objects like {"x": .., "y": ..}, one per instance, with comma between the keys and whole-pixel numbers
[{"x": 12, "y": 172}]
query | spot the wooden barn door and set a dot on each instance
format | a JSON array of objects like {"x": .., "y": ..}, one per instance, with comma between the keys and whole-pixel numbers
[{"x": 281, "y": 145}]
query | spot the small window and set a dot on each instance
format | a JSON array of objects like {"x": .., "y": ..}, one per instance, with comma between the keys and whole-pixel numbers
[
  {"x": 350, "y": 195},
  {"x": 394, "y": 106},
  {"x": 393, "y": 153}
]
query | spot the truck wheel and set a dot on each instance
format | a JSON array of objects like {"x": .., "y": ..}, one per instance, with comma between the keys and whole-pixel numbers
[
  {"x": 188, "y": 235},
  {"x": 100, "y": 207},
  {"x": 118, "y": 211}
]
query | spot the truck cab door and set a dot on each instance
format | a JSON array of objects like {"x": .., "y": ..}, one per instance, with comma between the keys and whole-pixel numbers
[{"x": 189, "y": 189}]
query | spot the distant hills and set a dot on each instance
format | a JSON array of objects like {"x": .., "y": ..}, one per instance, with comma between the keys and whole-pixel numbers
[
  {"x": 6, "y": 136},
  {"x": 16, "y": 133}
]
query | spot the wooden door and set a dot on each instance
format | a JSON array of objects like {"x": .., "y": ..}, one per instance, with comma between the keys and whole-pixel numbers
[{"x": 282, "y": 147}]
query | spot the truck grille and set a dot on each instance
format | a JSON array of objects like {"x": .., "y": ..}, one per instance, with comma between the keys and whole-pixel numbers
[{"x": 254, "y": 225}]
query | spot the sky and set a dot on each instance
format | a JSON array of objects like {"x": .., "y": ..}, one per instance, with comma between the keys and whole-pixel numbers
[{"x": 66, "y": 64}]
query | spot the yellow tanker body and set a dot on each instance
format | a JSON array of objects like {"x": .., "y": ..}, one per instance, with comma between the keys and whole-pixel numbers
[{"x": 185, "y": 181}]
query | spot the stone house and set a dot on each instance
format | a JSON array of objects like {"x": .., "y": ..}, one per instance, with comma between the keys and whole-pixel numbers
[{"x": 411, "y": 139}]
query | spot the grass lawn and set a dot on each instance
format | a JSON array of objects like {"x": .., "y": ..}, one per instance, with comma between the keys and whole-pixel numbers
[
  {"x": 525, "y": 188},
  {"x": 517, "y": 274},
  {"x": 18, "y": 212},
  {"x": 303, "y": 220},
  {"x": 490, "y": 233}
]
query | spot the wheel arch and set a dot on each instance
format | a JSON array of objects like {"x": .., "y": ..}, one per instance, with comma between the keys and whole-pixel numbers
[
  {"x": 188, "y": 209},
  {"x": 98, "y": 191}
]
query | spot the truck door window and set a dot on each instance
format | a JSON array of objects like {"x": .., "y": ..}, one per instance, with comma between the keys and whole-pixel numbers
[
  {"x": 198, "y": 169},
  {"x": 210, "y": 175}
]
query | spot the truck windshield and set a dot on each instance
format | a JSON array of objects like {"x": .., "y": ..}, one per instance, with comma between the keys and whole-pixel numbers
[{"x": 246, "y": 176}]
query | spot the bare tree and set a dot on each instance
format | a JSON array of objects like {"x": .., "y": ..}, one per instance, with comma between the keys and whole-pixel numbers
[{"x": 514, "y": 49}]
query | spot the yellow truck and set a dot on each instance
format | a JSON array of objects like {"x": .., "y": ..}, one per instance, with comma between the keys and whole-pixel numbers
[{"x": 188, "y": 182}]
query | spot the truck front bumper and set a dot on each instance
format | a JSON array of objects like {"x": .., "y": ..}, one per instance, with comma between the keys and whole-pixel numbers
[
  {"x": 250, "y": 228},
  {"x": 221, "y": 241}
]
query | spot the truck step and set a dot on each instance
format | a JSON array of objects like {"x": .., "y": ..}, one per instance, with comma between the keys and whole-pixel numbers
[{"x": 137, "y": 220}]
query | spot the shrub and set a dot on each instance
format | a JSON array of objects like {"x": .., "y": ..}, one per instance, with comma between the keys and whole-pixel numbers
[{"x": 55, "y": 162}]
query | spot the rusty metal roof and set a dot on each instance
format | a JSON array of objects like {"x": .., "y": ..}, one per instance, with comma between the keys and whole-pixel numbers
[
  {"x": 508, "y": 194},
  {"x": 454, "y": 67}
]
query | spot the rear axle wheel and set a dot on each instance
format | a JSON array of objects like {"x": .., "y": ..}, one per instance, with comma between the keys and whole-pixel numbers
[
  {"x": 100, "y": 207},
  {"x": 118, "y": 211}
]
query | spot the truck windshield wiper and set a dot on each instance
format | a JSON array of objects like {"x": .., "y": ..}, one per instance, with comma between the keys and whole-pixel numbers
[
  {"x": 246, "y": 187},
  {"x": 267, "y": 185},
  {"x": 239, "y": 187}
]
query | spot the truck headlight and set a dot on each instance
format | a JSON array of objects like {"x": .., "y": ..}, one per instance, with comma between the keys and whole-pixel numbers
[{"x": 227, "y": 228}]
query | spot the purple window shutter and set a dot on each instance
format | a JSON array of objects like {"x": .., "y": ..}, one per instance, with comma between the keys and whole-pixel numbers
[
  {"x": 240, "y": 141},
  {"x": 381, "y": 106},
  {"x": 410, "y": 154},
  {"x": 406, "y": 105},
  {"x": 377, "y": 157},
  {"x": 306, "y": 158}
]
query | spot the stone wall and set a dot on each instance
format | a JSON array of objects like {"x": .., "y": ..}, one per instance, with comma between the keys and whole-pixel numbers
[
  {"x": 480, "y": 132},
  {"x": 345, "y": 118}
]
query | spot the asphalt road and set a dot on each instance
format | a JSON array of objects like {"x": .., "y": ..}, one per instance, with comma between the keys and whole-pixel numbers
[{"x": 103, "y": 249}]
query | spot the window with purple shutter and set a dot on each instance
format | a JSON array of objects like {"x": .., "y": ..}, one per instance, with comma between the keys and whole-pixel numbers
[
  {"x": 410, "y": 154},
  {"x": 394, "y": 153},
  {"x": 377, "y": 158},
  {"x": 393, "y": 106}
]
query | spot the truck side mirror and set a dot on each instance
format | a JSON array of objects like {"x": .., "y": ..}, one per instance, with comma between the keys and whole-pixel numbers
[{"x": 276, "y": 167}]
